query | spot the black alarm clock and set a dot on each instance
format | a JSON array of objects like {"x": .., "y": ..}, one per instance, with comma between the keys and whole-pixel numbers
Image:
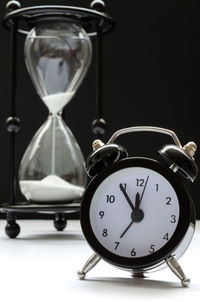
[{"x": 136, "y": 212}]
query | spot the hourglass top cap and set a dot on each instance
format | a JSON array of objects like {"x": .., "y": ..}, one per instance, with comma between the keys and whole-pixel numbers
[
  {"x": 28, "y": 17},
  {"x": 11, "y": 5}
]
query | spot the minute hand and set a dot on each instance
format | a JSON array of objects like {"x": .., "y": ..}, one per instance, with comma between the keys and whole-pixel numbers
[
  {"x": 127, "y": 197},
  {"x": 138, "y": 200}
]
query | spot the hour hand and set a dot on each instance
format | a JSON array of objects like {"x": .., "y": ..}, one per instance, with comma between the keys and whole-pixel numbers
[
  {"x": 127, "y": 197},
  {"x": 137, "y": 214},
  {"x": 137, "y": 201}
]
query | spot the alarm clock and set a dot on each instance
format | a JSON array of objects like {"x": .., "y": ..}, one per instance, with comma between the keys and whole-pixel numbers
[{"x": 136, "y": 212}]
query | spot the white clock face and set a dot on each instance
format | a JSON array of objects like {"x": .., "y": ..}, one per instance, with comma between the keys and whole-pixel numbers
[{"x": 134, "y": 212}]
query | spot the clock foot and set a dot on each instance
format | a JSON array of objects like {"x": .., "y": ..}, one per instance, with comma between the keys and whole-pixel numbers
[
  {"x": 138, "y": 275},
  {"x": 92, "y": 261},
  {"x": 177, "y": 270}
]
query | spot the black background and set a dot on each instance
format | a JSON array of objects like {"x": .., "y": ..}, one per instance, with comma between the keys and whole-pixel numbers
[{"x": 151, "y": 77}]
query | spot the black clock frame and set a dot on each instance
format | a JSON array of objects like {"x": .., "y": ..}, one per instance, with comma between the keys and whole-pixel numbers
[{"x": 187, "y": 214}]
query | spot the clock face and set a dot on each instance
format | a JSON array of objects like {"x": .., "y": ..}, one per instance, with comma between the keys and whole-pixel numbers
[{"x": 134, "y": 212}]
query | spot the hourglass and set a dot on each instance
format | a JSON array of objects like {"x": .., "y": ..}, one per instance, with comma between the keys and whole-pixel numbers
[
  {"x": 57, "y": 56},
  {"x": 58, "y": 52}
]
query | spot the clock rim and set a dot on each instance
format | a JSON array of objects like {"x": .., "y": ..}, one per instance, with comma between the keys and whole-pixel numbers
[{"x": 179, "y": 233}]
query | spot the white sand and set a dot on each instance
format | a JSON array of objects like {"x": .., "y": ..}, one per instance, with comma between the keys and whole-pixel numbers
[
  {"x": 56, "y": 102},
  {"x": 50, "y": 188}
]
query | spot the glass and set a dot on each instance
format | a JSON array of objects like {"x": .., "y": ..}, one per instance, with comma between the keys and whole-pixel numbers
[{"x": 57, "y": 56}]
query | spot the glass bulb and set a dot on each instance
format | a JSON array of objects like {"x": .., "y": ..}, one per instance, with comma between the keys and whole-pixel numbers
[
  {"x": 53, "y": 168},
  {"x": 57, "y": 56}
]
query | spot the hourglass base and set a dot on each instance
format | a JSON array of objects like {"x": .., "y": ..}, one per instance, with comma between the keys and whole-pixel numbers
[
  {"x": 12, "y": 229},
  {"x": 60, "y": 222},
  {"x": 59, "y": 213},
  {"x": 49, "y": 203}
]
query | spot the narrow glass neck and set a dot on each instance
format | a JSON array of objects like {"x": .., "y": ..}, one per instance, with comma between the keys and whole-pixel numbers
[
  {"x": 58, "y": 114},
  {"x": 56, "y": 102}
]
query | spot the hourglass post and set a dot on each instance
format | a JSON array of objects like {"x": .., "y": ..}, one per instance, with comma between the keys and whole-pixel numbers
[
  {"x": 12, "y": 123},
  {"x": 99, "y": 125},
  {"x": 99, "y": 91}
]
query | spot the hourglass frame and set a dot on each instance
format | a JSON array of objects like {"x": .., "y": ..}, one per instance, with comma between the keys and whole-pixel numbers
[{"x": 96, "y": 23}]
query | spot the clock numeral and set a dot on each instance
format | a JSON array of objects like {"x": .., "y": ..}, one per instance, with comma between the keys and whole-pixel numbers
[
  {"x": 105, "y": 233},
  {"x": 152, "y": 249},
  {"x": 173, "y": 218},
  {"x": 133, "y": 252},
  {"x": 168, "y": 201},
  {"x": 110, "y": 198},
  {"x": 156, "y": 187},
  {"x": 101, "y": 214},
  {"x": 117, "y": 244},
  {"x": 166, "y": 237},
  {"x": 140, "y": 182}
]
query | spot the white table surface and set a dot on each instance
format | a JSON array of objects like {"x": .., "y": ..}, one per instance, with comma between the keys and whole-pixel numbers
[{"x": 41, "y": 265}]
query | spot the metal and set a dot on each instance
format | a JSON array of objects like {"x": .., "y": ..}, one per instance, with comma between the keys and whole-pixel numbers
[
  {"x": 145, "y": 129},
  {"x": 135, "y": 274},
  {"x": 180, "y": 160},
  {"x": 190, "y": 148},
  {"x": 97, "y": 4},
  {"x": 103, "y": 156},
  {"x": 12, "y": 229},
  {"x": 97, "y": 144},
  {"x": 177, "y": 270},
  {"x": 62, "y": 214},
  {"x": 99, "y": 125},
  {"x": 12, "y": 104},
  {"x": 29, "y": 16},
  {"x": 13, "y": 5},
  {"x": 36, "y": 208},
  {"x": 99, "y": 73},
  {"x": 92, "y": 262}
]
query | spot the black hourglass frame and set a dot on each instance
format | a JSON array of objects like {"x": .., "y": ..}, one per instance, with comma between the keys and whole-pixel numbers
[{"x": 19, "y": 20}]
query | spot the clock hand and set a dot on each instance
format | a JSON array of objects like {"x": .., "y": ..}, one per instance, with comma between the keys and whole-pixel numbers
[
  {"x": 137, "y": 199},
  {"x": 130, "y": 224},
  {"x": 137, "y": 214},
  {"x": 127, "y": 197}
]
